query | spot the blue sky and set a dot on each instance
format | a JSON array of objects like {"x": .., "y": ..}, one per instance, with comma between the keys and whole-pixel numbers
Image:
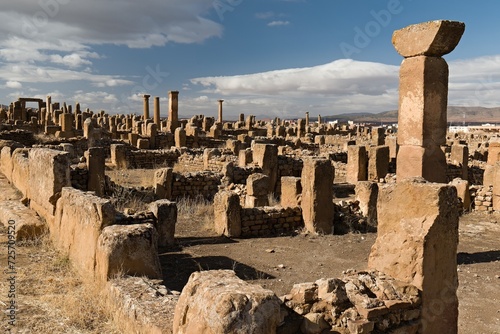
[{"x": 274, "y": 57}]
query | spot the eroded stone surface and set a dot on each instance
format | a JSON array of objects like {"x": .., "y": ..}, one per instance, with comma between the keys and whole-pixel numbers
[{"x": 433, "y": 38}]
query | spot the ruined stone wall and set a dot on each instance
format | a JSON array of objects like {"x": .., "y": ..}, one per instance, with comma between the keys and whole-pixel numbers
[
  {"x": 482, "y": 198},
  {"x": 150, "y": 159},
  {"x": 289, "y": 166},
  {"x": 270, "y": 221},
  {"x": 241, "y": 174},
  {"x": 191, "y": 185},
  {"x": 21, "y": 136}
]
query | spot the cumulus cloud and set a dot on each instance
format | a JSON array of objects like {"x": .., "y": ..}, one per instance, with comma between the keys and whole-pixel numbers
[
  {"x": 344, "y": 76},
  {"x": 346, "y": 86},
  {"x": 124, "y": 22},
  {"x": 13, "y": 85}
]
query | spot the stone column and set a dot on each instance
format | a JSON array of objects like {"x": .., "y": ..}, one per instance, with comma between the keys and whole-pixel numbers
[
  {"x": 146, "y": 106},
  {"x": 307, "y": 118},
  {"x": 357, "y": 164},
  {"x": 227, "y": 212},
  {"x": 460, "y": 157},
  {"x": 266, "y": 157},
  {"x": 417, "y": 241},
  {"x": 220, "y": 111},
  {"x": 317, "y": 195},
  {"x": 378, "y": 162},
  {"x": 423, "y": 97},
  {"x": 96, "y": 165},
  {"x": 166, "y": 216},
  {"x": 157, "y": 112},
  {"x": 173, "y": 110},
  {"x": 48, "y": 105}
]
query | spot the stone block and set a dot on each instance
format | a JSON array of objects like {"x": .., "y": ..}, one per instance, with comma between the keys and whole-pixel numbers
[
  {"x": 48, "y": 174},
  {"x": 417, "y": 161},
  {"x": 317, "y": 195},
  {"x": 417, "y": 244},
  {"x": 227, "y": 214},
  {"x": 433, "y": 38},
  {"x": 258, "y": 185},
  {"x": 357, "y": 164},
  {"x": 166, "y": 216},
  {"x": 163, "y": 183},
  {"x": 378, "y": 162},
  {"x": 423, "y": 98},
  {"x": 235, "y": 306},
  {"x": 291, "y": 191},
  {"x": 129, "y": 250}
]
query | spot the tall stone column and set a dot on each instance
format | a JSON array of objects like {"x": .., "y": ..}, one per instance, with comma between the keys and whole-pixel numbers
[
  {"x": 157, "y": 112},
  {"x": 307, "y": 118},
  {"x": 423, "y": 97},
  {"x": 146, "y": 106},
  {"x": 220, "y": 111},
  {"x": 173, "y": 110}
]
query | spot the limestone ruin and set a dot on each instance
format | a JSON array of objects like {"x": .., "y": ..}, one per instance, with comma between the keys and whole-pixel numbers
[{"x": 263, "y": 180}]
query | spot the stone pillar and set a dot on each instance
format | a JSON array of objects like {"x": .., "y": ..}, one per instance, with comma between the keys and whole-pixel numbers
[
  {"x": 416, "y": 243},
  {"x": 423, "y": 97},
  {"x": 257, "y": 190},
  {"x": 146, "y": 106},
  {"x": 378, "y": 136},
  {"x": 166, "y": 216},
  {"x": 48, "y": 105},
  {"x": 163, "y": 183},
  {"x": 291, "y": 191},
  {"x": 157, "y": 112},
  {"x": 96, "y": 165},
  {"x": 119, "y": 156},
  {"x": 151, "y": 132},
  {"x": 357, "y": 164},
  {"x": 220, "y": 111},
  {"x": 227, "y": 215},
  {"x": 245, "y": 157},
  {"x": 66, "y": 122},
  {"x": 180, "y": 137},
  {"x": 367, "y": 195},
  {"x": 496, "y": 187},
  {"x": 378, "y": 162},
  {"x": 266, "y": 157},
  {"x": 307, "y": 118},
  {"x": 317, "y": 195},
  {"x": 173, "y": 110},
  {"x": 460, "y": 157}
]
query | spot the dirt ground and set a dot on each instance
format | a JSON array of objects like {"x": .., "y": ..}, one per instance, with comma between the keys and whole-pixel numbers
[{"x": 278, "y": 263}]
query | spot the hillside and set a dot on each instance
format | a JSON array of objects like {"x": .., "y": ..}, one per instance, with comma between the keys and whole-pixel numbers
[{"x": 455, "y": 115}]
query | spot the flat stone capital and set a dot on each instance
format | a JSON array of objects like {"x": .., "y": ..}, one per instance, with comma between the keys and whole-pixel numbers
[{"x": 433, "y": 38}]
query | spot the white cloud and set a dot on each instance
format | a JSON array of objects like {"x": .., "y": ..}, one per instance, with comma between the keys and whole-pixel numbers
[
  {"x": 346, "y": 86},
  {"x": 13, "y": 85},
  {"x": 344, "y": 76},
  {"x": 278, "y": 23},
  {"x": 97, "y": 99},
  {"x": 124, "y": 22}
]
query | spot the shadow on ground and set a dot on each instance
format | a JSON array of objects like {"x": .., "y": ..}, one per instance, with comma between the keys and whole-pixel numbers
[
  {"x": 177, "y": 267},
  {"x": 479, "y": 257}
]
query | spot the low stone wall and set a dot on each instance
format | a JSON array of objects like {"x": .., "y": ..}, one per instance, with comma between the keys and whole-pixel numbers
[
  {"x": 126, "y": 156},
  {"x": 482, "y": 198},
  {"x": 234, "y": 221},
  {"x": 241, "y": 174},
  {"x": 270, "y": 221},
  {"x": 24, "y": 137},
  {"x": 191, "y": 185}
]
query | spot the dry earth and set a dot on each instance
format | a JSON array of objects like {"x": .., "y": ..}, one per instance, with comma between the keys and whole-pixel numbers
[{"x": 52, "y": 300}]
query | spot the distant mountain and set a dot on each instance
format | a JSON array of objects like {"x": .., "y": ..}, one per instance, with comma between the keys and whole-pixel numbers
[{"x": 455, "y": 115}]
